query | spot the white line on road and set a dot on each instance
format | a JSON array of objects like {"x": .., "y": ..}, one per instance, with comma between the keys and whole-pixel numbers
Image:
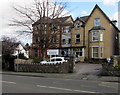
[
  {"x": 82, "y": 91},
  {"x": 8, "y": 82}
]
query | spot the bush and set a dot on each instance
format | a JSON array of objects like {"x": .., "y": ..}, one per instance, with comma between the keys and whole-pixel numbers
[{"x": 37, "y": 60}]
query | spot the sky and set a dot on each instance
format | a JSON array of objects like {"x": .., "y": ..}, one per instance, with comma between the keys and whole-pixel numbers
[{"x": 77, "y": 8}]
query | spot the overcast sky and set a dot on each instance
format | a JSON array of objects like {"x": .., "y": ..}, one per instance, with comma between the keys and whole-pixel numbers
[{"x": 78, "y": 8}]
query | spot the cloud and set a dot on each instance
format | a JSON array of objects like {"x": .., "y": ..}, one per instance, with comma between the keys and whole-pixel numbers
[
  {"x": 83, "y": 12},
  {"x": 109, "y": 2},
  {"x": 7, "y": 13},
  {"x": 114, "y": 16}
]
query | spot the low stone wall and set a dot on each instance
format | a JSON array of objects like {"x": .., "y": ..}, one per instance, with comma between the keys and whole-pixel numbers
[
  {"x": 28, "y": 66},
  {"x": 22, "y": 61},
  {"x": 109, "y": 70},
  {"x": 112, "y": 68}
]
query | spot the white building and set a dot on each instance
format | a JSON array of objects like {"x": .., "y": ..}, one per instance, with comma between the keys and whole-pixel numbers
[{"x": 21, "y": 50}]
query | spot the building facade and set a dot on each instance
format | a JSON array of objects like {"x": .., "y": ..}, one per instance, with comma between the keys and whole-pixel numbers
[
  {"x": 62, "y": 38},
  {"x": 89, "y": 37},
  {"x": 96, "y": 36}
]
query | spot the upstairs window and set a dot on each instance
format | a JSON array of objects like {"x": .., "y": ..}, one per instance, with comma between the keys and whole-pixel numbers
[
  {"x": 97, "y": 22},
  {"x": 66, "y": 29},
  {"x": 77, "y": 25},
  {"x": 64, "y": 41},
  {"x": 95, "y": 36},
  {"x": 77, "y": 38},
  {"x": 69, "y": 41},
  {"x": 101, "y": 36}
]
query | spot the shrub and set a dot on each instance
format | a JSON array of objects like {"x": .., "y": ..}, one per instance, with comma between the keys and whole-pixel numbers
[{"x": 37, "y": 59}]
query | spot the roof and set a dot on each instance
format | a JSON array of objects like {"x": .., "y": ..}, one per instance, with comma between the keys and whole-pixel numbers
[
  {"x": 98, "y": 28},
  {"x": 96, "y": 6},
  {"x": 83, "y": 19},
  {"x": 50, "y": 21},
  {"x": 43, "y": 20}
]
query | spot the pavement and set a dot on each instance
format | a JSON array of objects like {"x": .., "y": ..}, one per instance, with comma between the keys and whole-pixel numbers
[{"x": 83, "y": 71}]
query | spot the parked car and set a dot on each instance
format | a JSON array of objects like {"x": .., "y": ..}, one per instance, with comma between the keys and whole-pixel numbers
[{"x": 54, "y": 60}]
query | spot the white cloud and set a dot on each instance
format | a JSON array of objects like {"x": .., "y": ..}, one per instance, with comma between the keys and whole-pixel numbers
[
  {"x": 114, "y": 17},
  {"x": 7, "y": 13},
  {"x": 109, "y": 2},
  {"x": 84, "y": 12}
]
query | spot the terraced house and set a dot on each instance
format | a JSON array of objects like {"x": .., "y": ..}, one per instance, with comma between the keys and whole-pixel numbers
[{"x": 95, "y": 36}]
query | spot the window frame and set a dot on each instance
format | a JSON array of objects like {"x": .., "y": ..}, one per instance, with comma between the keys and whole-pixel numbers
[
  {"x": 77, "y": 25},
  {"x": 76, "y": 39},
  {"x": 101, "y": 52},
  {"x": 96, "y": 21},
  {"x": 101, "y": 36},
  {"x": 93, "y": 53},
  {"x": 95, "y": 36},
  {"x": 80, "y": 52}
]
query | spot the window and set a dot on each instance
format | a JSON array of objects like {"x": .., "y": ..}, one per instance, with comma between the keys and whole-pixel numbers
[
  {"x": 78, "y": 25},
  {"x": 95, "y": 36},
  {"x": 79, "y": 52},
  {"x": 35, "y": 28},
  {"x": 77, "y": 38},
  {"x": 69, "y": 41},
  {"x": 36, "y": 40},
  {"x": 36, "y": 52},
  {"x": 64, "y": 41},
  {"x": 58, "y": 59},
  {"x": 101, "y": 36},
  {"x": 66, "y": 29},
  {"x": 101, "y": 51},
  {"x": 97, "y": 22},
  {"x": 95, "y": 52}
]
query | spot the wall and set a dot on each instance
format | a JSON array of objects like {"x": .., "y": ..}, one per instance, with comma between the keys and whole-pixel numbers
[
  {"x": 107, "y": 40},
  {"x": 112, "y": 68},
  {"x": 28, "y": 66}
]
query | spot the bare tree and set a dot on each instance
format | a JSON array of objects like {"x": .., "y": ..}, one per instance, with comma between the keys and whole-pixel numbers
[
  {"x": 43, "y": 17},
  {"x": 8, "y": 47}
]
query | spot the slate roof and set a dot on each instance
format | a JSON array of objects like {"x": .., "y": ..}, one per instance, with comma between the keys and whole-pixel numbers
[{"x": 50, "y": 21}]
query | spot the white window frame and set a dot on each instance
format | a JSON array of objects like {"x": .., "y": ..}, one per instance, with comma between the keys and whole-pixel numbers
[
  {"x": 95, "y": 36},
  {"x": 64, "y": 41},
  {"x": 97, "y": 22},
  {"x": 101, "y": 36},
  {"x": 77, "y": 39},
  {"x": 101, "y": 52},
  {"x": 96, "y": 52},
  {"x": 80, "y": 50},
  {"x": 77, "y": 25}
]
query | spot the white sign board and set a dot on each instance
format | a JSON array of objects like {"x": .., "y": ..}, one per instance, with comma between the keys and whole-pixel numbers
[{"x": 53, "y": 52}]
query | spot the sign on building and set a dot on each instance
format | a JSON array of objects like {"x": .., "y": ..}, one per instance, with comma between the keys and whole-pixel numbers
[{"x": 53, "y": 52}]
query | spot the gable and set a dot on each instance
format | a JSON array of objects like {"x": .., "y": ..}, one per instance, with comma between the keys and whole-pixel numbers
[{"x": 104, "y": 19}]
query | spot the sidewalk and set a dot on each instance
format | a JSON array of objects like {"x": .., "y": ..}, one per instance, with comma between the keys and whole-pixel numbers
[{"x": 66, "y": 76}]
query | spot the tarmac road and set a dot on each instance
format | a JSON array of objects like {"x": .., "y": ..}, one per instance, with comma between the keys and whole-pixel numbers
[{"x": 29, "y": 84}]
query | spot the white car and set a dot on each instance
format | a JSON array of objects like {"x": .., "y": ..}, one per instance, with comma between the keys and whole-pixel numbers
[{"x": 54, "y": 60}]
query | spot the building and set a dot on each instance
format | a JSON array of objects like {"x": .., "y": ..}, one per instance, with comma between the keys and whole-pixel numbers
[
  {"x": 95, "y": 36},
  {"x": 62, "y": 38},
  {"x": 20, "y": 49}
]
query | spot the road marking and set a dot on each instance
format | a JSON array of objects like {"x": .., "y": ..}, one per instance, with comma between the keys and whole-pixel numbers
[
  {"x": 109, "y": 84},
  {"x": 82, "y": 91},
  {"x": 8, "y": 82}
]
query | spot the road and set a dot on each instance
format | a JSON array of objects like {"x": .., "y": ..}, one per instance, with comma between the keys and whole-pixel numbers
[{"x": 27, "y": 84}]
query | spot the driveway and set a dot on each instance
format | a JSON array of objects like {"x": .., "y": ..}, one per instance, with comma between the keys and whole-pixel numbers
[{"x": 88, "y": 69}]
